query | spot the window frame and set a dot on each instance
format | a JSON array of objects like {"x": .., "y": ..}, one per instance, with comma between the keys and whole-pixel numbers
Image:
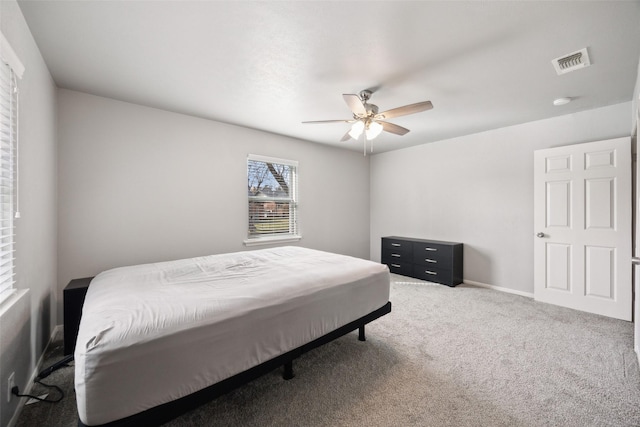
[
  {"x": 293, "y": 201},
  {"x": 12, "y": 70}
]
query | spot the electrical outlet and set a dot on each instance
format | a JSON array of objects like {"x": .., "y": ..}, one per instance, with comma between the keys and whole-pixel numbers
[{"x": 10, "y": 384}]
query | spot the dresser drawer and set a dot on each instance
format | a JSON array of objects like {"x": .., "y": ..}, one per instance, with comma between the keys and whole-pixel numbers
[
  {"x": 397, "y": 244},
  {"x": 396, "y": 267},
  {"x": 434, "y": 255},
  {"x": 437, "y": 275},
  {"x": 397, "y": 258}
]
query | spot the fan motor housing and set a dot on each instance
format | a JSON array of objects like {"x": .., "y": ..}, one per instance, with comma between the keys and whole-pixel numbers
[{"x": 372, "y": 109}]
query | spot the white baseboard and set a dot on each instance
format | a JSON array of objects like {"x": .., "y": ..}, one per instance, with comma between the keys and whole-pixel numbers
[
  {"x": 638, "y": 352},
  {"x": 30, "y": 382},
  {"x": 498, "y": 288},
  {"x": 404, "y": 279}
]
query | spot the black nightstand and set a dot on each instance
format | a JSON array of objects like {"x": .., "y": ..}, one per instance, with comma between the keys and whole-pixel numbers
[{"x": 73, "y": 299}]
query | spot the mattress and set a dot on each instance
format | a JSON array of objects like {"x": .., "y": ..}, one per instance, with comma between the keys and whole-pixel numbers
[{"x": 154, "y": 333}]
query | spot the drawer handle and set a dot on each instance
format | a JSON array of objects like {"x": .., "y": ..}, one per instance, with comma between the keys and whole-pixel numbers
[
  {"x": 397, "y": 245},
  {"x": 433, "y": 273},
  {"x": 395, "y": 265},
  {"x": 430, "y": 249},
  {"x": 395, "y": 255},
  {"x": 431, "y": 260}
]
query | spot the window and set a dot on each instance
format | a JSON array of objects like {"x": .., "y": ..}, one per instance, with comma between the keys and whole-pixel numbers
[
  {"x": 272, "y": 189},
  {"x": 8, "y": 167}
]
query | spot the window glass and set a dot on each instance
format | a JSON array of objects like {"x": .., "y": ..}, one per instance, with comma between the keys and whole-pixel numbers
[{"x": 272, "y": 194}]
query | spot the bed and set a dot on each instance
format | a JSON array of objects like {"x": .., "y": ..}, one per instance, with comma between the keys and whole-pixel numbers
[{"x": 158, "y": 339}]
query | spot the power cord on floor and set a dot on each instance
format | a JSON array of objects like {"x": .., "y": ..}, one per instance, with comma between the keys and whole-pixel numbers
[
  {"x": 43, "y": 374},
  {"x": 16, "y": 391}
]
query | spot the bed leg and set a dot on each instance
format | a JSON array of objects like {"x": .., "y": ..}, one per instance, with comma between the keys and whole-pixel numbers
[
  {"x": 288, "y": 371},
  {"x": 361, "y": 336}
]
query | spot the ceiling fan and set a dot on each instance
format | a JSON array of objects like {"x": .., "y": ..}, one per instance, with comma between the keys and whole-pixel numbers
[{"x": 367, "y": 121}]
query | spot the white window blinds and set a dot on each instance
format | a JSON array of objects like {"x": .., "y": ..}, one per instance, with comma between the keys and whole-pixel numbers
[
  {"x": 272, "y": 189},
  {"x": 8, "y": 174}
]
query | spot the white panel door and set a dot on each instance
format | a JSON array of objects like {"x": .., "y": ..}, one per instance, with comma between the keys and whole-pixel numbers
[{"x": 582, "y": 218}]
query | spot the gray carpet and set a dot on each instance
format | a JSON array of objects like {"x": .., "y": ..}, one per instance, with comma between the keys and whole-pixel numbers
[{"x": 463, "y": 356}]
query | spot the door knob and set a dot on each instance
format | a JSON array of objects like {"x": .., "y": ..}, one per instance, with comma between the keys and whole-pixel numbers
[{"x": 541, "y": 234}]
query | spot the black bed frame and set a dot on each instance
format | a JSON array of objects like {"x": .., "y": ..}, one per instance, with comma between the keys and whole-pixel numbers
[{"x": 170, "y": 410}]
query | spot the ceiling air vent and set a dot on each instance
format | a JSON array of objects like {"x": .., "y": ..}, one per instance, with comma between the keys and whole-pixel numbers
[{"x": 571, "y": 62}]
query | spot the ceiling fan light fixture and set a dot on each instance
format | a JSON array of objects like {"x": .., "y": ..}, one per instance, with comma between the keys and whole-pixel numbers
[
  {"x": 373, "y": 130},
  {"x": 356, "y": 129},
  {"x": 365, "y": 118}
]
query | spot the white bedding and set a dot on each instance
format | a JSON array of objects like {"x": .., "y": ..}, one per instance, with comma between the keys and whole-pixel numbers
[{"x": 154, "y": 333}]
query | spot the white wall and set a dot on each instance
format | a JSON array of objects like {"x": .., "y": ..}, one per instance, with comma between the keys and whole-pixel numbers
[
  {"x": 139, "y": 185},
  {"x": 36, "y": 230},
  {"x": 478, "y": 190}
]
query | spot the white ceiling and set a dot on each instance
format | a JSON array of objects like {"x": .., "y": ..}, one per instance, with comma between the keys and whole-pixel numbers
[{"x": 270, "y": 65}]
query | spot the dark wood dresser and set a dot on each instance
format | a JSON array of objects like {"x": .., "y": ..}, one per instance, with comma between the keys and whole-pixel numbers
[{"x": 430, "y": 260}]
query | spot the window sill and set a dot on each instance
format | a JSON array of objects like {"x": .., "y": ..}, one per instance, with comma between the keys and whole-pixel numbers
[
  {"x": 271, "y": 239},
  {"x": 7, "y": 301}
]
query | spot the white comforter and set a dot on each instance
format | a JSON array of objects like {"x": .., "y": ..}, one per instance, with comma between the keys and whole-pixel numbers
[{"x": 154, "y": 333}]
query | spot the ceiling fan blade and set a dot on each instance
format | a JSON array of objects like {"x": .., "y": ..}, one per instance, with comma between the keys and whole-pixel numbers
[
  {"x": 390, "y": 127},
  {"x": 331, "y": 121},
  {"x": 407, "y": 109},
  {"x": 346, "y": 136},
  {"x": 355, "y": 104}
]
